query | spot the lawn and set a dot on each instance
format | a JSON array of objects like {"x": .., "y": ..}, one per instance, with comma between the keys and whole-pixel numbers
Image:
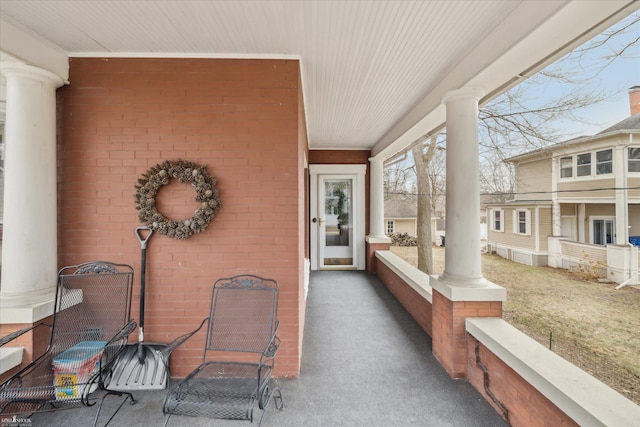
[{"x": 590, "y": 324}]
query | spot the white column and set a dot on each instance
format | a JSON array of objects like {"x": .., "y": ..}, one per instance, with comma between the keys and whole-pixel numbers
[
  {"x": 462, "y": 251},
  {"x": 556, "y": 216},
  {"x": 622, "y": 200},
  {"x": 582, "y": 233},
  {"x": 29, "y": 252},
  {"x": 376, "y": 202}
]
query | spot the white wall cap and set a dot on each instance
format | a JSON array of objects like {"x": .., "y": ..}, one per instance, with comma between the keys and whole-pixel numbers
[
  {"x": 415, "y": 278},
  {"x": 10, "y": 357}
]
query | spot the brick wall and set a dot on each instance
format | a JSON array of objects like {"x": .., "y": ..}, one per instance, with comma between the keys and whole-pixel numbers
[
  {"x": 510, "y": 395},
  {"x": 371, "y": 248},
  {"x": 240, "y": 118},
  {"x": 415, "y": 304},
  {"x": 34, "y": 342},
  {"x": 449, "y": 334}
]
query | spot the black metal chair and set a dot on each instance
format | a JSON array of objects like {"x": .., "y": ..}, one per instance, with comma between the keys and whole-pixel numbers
[
  {"x": 239, "y": 353},
  {"x": 90, "y": 327}
]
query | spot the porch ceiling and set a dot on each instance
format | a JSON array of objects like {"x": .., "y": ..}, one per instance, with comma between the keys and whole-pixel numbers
[{"x": 374, "y": 72}]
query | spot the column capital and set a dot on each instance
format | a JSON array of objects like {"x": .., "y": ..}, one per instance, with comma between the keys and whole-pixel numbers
[
  {"x": 465, "y": 93},
  {"x": 18, "y": 69}
]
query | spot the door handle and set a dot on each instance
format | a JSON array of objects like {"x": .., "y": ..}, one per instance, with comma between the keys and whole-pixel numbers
[{"x": 318, "y": 220}]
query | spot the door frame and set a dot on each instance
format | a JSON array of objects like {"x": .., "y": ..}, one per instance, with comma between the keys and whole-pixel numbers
[
  {"x": 358, "y": 172},
  {"x": 604, "y": 219}
]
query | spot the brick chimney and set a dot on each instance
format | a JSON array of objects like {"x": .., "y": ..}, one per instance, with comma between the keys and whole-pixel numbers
[{"x": 634, "y": 100}]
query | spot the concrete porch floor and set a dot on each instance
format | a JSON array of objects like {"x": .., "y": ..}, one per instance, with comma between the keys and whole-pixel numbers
[{"x": 365, "y": 362}]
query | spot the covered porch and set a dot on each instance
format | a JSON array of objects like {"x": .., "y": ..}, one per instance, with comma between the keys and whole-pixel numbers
[
  {"x": 273, "y": 97},
  {"x": 365, "y": 361}
]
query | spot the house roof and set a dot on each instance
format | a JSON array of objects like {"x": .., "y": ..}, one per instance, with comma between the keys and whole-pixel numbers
[
  {"x": 373, "y": 72},
  {"x": 629, "y": 124},
  {"x": 400, "y": 206},
  {"x": 626, "y": 126}
]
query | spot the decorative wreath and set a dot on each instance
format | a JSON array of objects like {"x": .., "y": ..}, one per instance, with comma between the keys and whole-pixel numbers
[{"x": 184, "y": 171}]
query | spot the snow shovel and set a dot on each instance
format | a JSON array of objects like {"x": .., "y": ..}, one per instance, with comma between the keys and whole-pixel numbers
[{"x": 141, "y": 366}]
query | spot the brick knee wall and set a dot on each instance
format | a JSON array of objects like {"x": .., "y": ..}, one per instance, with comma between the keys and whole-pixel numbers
[
  {"x": 414, "y": 303},
  {"x": 449, "y": 334},
  {"x": 510, "y": 395},
  {"x": 34, "y": 343},
  {"x": 372, "y": 262}
]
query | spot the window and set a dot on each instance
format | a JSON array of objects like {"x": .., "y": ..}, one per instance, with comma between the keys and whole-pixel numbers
[
  {"x": 391, "y": 227},
  {"x": 584, "y": 164},
  {"x": 522, "y": 221},
  {"x": 497, "y": 220},
  {"x": 604, "y": 162},
  {"x": 566, "y": 167},
  {"x": 602, "y": 231},
  {"x": 634, "y": 159}
]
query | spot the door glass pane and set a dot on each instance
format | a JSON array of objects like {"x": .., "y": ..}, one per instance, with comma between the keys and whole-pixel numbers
[
  {"x": 609, "y": 227},
  {"x": 337, "y": 209},
  {"x": 598, "y": 232}
]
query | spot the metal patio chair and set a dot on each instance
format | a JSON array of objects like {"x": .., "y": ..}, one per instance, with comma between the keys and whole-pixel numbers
[
  {"x": 90, "y": 327},
  {"x": 239, "y": 353}
]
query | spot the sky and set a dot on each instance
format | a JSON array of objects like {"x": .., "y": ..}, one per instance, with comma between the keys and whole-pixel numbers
[{"x": 615, "y": 79}]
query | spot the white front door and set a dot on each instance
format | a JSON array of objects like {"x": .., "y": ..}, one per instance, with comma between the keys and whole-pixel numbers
[{"x": 337, "y": 217}]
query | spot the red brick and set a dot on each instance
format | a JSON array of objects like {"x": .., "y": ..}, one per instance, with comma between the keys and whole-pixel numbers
[{"x": 118, "y": 117}]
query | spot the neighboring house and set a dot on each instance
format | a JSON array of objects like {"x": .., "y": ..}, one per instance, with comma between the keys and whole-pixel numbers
[
  {"x": 401, "y": 216},
  {"x": 576, "y": 202}
]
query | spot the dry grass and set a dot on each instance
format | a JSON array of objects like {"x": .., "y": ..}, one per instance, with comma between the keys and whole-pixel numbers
[{"x": 592, "y": 325}]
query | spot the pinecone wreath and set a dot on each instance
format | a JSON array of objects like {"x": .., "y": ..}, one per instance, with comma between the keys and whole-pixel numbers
[{"x": 186, "y": 172}]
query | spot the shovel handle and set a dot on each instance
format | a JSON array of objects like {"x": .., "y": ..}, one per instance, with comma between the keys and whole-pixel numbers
[{"x": 144, "y": 234}]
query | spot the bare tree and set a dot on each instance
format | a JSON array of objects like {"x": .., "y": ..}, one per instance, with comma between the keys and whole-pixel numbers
[
  {"x": 423, "y": 154},
  {"x": 531, "y": 115},
  {"x": 397, "y": 178},
  {"x": 497, "y": 179}
]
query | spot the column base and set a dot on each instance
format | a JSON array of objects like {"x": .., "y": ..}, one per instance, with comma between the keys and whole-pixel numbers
[
  {"x": 456, "y": 290},
  {"x": 463, "y": 281}
]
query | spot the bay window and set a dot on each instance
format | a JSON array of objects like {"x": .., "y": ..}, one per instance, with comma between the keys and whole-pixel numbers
[
  {"x": 604, "y": 162},
  {"x": 566, "y": 167},
  {"x": 633, "y": 159},
  {"x": 584, "y": 164}
]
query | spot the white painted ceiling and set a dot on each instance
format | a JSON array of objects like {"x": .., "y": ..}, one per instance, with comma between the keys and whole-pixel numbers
[{"x": 373, "y": 72}]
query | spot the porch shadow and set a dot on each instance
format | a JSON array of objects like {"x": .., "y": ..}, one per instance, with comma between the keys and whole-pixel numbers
[{"x": 365, "y": 362}]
